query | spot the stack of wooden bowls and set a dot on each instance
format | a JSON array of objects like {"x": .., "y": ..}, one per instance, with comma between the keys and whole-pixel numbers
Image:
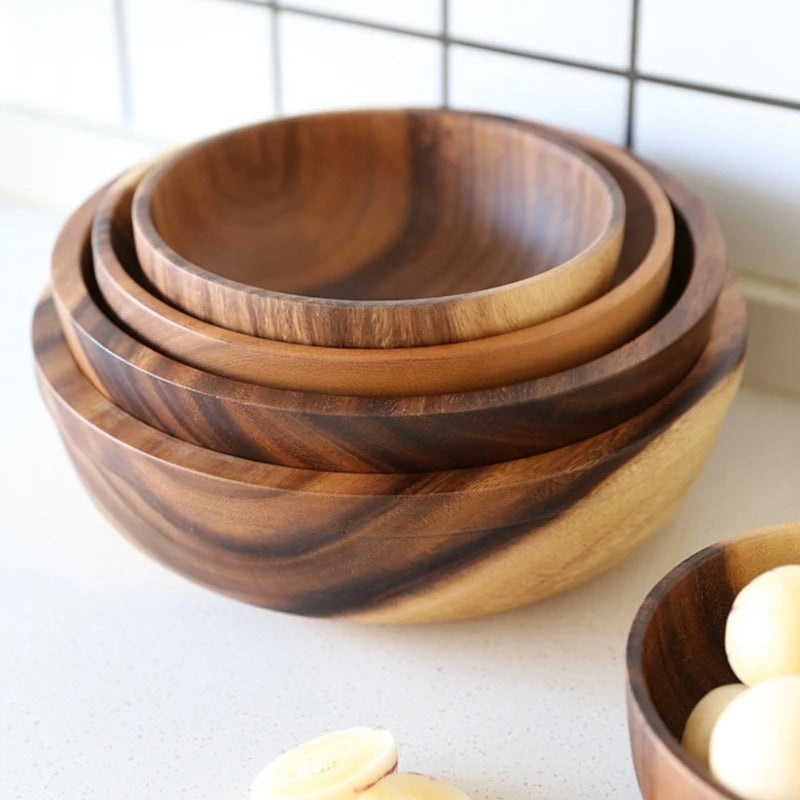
[{"x": 392, "y": 365}]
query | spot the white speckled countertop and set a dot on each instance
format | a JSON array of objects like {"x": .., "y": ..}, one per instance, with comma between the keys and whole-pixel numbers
[{"x": 119, "y": 679}]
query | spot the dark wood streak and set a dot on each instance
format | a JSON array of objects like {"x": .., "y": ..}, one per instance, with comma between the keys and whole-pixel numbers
[
  {"x": 399, "y": 228},
  {"x": 676, "y": 654},
  {"x": 368, "y": 279},
  {"x": 324, "y": 543},
  {"x": 391, "y": 434}
]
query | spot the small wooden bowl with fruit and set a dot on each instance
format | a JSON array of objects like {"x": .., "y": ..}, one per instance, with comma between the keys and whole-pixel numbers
[{"x": 714, "y": 674}]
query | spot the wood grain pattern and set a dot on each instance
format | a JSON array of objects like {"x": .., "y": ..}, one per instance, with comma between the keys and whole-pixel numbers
[
  {"x": 374, "y": 434},
  {"x": 676, "y": 653},
  {"x": 375, "y": 546},
  {"x": 553, "y": 346},
  {"x": 379, "y": 228}
]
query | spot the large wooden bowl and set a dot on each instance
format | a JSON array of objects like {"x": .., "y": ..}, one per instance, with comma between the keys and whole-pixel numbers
[
  {"x": 394, "y": 547},
  {"x": 379, "y": 228},
  {"x": 331, "y": 432},
  {"x": 547, "y": 348},
  {"x": 676, "y": 653}
]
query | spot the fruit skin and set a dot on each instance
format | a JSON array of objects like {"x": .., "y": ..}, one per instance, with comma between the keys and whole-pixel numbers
[
  {"x": 412, "y": 786},
  {"x": 762, "y": 633},
  {"x": 337, "y": 766},
  {"x": 697, "y": 733},
  {"x": 755, "y": 745}
]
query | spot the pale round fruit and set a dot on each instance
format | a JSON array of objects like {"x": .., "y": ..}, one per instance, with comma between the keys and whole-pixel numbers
[
  {"x": 762, "y": 634},
  {"x": 697, "y": 733},
  {"x": 755, "y": 745},
  {"x": 412, "y": 786},
  {"x": 336, "y": 766}
]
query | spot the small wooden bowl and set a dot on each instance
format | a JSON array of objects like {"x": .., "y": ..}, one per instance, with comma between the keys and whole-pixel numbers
[
  {"x": 405, "y": 547},
  {"x": 379, "y": 228},
  {"x": 329, "y": 432},
  {"x": 676, "y": 654},
  {"x": 547, "y": 348}
]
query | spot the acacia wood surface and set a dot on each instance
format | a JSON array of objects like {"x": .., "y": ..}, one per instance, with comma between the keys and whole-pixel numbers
[
  {"x": 547, "y": 348},
  {"x": 369, "y": 434},
  {"x": 393, "y": 547},
  {"x": 676, "y": 654},
  {"x": 386, "y": 228}
]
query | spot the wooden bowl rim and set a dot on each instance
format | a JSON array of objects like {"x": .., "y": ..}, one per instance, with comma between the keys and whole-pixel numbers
[
  {"x": 609, "y": 227},
  {"x": 522, "y": 472},
  {"x": 637, "y": 683},
  {"x": 127, "y": 371},
  {"x": 342, "y": 405},
  {"x": 359, "y": 362}
]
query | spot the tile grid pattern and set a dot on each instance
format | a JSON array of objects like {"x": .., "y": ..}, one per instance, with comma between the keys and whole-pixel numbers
[
  {"x": 632, "y": 73},
  {"x": 717, "y": 108}
]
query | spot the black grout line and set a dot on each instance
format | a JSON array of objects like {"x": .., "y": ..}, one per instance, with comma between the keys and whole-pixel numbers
[
  {"x": 542, "y": 57},
  {"x": 277, "y": 62},
  {"x": 377, "y": 26},
  {"x": 123, "y": 62},
  {"x": 445, "y": 53},
  {"x": 446, "y": 39},
  {"x": 720, "y": 91},
  {"x": 629, "y": 125}
]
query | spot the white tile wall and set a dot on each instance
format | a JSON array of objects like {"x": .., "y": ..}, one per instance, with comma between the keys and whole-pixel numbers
[
  {"x": 582, "y": 30},
  {"x": 774, "y": 313},
  {"x": 737, "y": 44},
  {"x": 61, "y": 56},
  {"x": 420, "y": 15},
  {"x": 332, "y": 65},
  {"x": 89, "y": 86},
  {"x": 198, "y": 66},
  {"x": 743, "y": 158},
  {"x": 58, "y": 164},
  {"x": 572, "y": 97}
]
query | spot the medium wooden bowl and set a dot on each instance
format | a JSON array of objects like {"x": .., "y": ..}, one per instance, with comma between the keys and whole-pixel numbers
[
  {"x": 394, "y": 547},
  {"x": 676, "y": 653},
  {"x": 331, "y": 432},
  {"x": 379, "y": 228},
  {"x": 547, "y": 348}
]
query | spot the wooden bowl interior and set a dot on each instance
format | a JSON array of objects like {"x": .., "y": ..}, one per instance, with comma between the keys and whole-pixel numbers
[
  {"x": 379, "y": 205},
  {"x": 640, "y": 230},
  {"x": 682, "y": 641}
]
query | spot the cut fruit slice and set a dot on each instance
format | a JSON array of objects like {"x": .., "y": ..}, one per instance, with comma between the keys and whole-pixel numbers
[
  {"x": 336, "y": 766},
  {"x": 412, "y": 786}
]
